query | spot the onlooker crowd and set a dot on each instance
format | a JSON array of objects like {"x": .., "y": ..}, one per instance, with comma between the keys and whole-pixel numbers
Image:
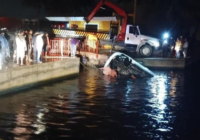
[
  {"x": 177, "y": 48},
  {"x": 24, "y": 43},
  {"x": 28, "y": 46}
]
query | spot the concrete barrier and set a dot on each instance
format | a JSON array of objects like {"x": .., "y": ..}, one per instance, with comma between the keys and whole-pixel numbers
[
  {"x": 28, "y": 76},
  {"x": 166, "y": 62},
  {"x": 162, "y": 62}
]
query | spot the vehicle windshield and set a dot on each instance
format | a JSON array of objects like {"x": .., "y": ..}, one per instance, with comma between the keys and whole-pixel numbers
[{"x": 133, "y": 30}]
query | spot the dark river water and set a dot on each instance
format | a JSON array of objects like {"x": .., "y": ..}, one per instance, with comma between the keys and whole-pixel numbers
[{"x": 96, "y": 107}]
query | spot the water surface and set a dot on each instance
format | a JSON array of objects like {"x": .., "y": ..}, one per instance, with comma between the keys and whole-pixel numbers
[{"x": 96, "y": 107}]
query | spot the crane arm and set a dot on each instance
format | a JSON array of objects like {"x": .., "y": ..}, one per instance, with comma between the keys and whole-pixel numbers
[
  {"x": 121, "y": 12},
  {"x": 94, "y": 11}
]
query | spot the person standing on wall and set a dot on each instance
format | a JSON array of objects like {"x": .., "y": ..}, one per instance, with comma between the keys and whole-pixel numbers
[
  {"x": 34, "y": 46},
  {"x": 5, "y": 49},
  {"x": 29, "y": 45},
  {"x": 178, "y": 48},
  {"x": 172, "y": 47},
  {"x": 46, "y": 43},
  {"x": 20, "y": 46},
  {"x": 15, "y": 48},
  {"x": 73, "y": 45},
  {"x": 181, "y": 48},
  {"x": 37, "y": 46},
  {"x": 185, "y": 48},
  {"x": 165, "y": 47}
]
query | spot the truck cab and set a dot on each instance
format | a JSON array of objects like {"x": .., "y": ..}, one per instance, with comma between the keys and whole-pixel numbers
[{"x": 145, "y": 45}]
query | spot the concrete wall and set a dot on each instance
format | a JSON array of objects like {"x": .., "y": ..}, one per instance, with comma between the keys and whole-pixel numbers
[
  {"x": 32, "y": 75},
  {"x": 162, "y": 62}
]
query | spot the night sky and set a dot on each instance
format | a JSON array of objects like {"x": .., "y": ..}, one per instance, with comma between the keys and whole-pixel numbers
[{"x": 159, "y": 15}]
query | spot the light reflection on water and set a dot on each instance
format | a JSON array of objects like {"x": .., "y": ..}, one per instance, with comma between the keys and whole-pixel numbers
[
  {"x": 157, "y": 86},
  {"x": 94, "y": 106}
]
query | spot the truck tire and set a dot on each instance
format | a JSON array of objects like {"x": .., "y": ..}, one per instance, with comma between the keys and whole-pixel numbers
[{"x": 146, "y": 50}]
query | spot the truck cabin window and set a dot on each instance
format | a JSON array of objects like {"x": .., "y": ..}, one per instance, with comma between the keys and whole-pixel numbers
[
  {"x": 91, "y": 27},
  {"x": 133, "y": 30}
]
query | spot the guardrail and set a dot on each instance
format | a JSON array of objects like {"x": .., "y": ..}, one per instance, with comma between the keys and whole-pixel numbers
[{"x": 61, "y": 47}]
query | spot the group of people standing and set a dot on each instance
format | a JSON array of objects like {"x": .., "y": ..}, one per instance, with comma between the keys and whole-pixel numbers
[
  {"x": 181, "y": 47},
  {"x": 177, "y": 48},
  {"x": 25, "y": 42}
]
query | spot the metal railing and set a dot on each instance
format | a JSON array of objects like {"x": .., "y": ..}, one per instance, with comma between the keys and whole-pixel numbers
[{"x": 61, "y": 47}]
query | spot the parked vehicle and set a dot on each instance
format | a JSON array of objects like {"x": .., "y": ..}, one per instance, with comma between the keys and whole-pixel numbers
[{"x": 130, "y": 35}]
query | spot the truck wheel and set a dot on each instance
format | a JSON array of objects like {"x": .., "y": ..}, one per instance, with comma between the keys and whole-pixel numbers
[{"x": 146, "y": 50}]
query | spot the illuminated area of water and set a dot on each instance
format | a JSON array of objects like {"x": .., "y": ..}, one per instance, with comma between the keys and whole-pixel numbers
[{"x": 94, "y": 106}]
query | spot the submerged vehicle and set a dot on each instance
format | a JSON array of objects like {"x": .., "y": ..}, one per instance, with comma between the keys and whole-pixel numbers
[{"x": 125, "y": 65}]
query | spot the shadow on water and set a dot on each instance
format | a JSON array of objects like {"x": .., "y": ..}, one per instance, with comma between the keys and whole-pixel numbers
[{"x": 94, "y": 106}]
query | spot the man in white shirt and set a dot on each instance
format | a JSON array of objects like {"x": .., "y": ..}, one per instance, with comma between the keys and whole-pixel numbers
[
  {"x": 38, "y": 43},
  {"x": 20, "y": 46}
]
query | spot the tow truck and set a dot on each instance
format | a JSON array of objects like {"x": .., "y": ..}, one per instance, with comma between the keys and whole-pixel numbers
[{"x": 129, "y": 36}]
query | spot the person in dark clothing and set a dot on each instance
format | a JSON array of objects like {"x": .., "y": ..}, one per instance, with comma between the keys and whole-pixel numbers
[
  {"x": 182, "y": 40},
  {"x": 7, "y": 36},
  {"x": 172, "y": 47},
  {"x": 46, "y": 43},
  {"x": 29, "y": 36},
  {"x": 165, "y": 47}
]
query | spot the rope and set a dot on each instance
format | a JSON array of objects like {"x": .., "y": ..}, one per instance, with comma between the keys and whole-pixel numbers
[{"x": 93, "y": 67}]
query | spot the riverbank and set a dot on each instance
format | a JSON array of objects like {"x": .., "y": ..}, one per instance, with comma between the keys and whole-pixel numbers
[
  {"x": 17, "y": 78},
  {"x": 167, "y": 63}
]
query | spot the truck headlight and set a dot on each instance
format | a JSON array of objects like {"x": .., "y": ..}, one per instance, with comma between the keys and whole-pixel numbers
[{"x": 156, "y": 43}]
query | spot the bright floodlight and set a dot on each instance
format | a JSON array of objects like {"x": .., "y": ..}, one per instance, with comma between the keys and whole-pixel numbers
[{"x": 166, "y": 35}]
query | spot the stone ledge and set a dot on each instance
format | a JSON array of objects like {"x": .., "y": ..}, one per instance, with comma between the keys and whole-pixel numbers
[{"x": 28, "y": 76}]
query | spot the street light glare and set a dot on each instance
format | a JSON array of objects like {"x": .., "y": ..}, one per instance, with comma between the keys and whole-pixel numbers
[{"x": 166, "y": 35}]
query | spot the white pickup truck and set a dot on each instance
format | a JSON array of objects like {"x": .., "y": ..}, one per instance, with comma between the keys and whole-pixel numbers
[
  {"x": 145, "y": 45},
  {"x": 134, "y": 41}
]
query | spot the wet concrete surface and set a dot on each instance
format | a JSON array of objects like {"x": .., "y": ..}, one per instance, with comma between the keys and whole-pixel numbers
[
  {"x": 15, "y": 77},
  {"x": 10, "y": 64}
]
